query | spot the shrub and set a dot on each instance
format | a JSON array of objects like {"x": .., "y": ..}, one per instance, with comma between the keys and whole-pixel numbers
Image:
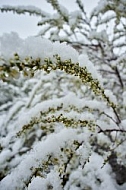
[{"x": 63, "y": 100}]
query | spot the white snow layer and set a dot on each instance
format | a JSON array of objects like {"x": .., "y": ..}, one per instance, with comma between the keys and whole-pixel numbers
[
  {"x": 35, "y": 47},
  {"x": 40, "y": 152}
]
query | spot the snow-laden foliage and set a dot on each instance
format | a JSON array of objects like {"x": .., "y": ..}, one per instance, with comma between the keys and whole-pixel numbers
[{"x": 63, "y": 103}]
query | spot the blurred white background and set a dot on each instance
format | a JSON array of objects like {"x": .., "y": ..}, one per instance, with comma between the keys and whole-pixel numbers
[{"x": 26, "y": 25}]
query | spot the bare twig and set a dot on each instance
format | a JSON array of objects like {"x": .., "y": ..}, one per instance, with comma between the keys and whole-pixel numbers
[{"x": 119, "y": 77}]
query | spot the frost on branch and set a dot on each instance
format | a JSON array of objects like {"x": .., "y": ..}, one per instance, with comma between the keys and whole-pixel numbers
[
  {"x": 63, "y": 124},
  {"x": 32, "y": 10},
  {"x": 53, "y": 109}
]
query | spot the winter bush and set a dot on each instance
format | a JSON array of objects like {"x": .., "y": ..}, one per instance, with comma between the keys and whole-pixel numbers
[{"x": 63, "y": 100}]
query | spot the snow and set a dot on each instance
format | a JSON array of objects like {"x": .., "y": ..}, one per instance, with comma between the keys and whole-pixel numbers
[
  {"x": 43, "y": 183},
  {"x": 111, "y": 96},
  {"x": 124, "y": 98},
  {"x": 99, "y": 35},
  {"x": 81, "y": 149},
  {"x": 68, "y": 100},
  {"x": 4, "y": 156},
  {"x": 94, "y": 173},
  {"x": 100, "y": 7},
  {"x": 13, "y": 111},
  {"x": 35, "y": 47},
  {"x": 64, "y": 10},
  {"x": 39, "y": 153},
  {"x": 22, "y": 9},
  {"x": 73, "y": 18},
  {"x": 85, "y": 62}
]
